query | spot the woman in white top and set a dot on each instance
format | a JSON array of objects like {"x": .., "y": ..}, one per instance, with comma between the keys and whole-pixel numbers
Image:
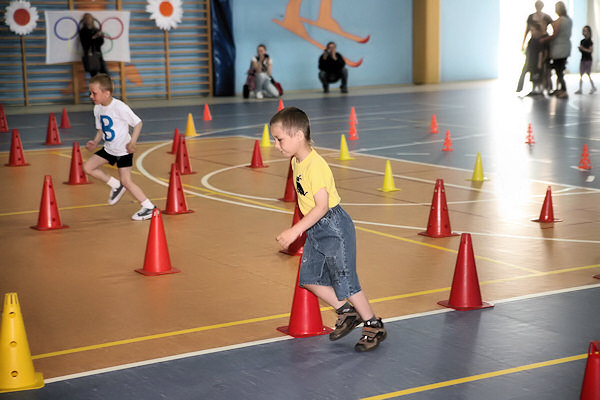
[
  {"x": 560, "y": 48},
  {"x": 261, "y": 65}
]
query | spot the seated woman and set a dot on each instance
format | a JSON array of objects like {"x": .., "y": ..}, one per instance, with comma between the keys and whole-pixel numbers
[{"x": 261, "y": 68}]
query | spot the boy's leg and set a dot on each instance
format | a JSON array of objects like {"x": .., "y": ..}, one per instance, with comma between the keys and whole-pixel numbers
[
  {"x": 92, "y": 167},
  {"x": 146, "y": 211}
]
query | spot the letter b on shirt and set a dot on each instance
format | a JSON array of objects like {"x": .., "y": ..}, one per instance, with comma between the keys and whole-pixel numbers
[{"x": 107, "y": 124}]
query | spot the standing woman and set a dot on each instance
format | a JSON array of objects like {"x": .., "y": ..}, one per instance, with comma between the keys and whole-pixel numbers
[
  {"x": 560, "y": 48},
  {"x": 261, "y": 66},
  {"x": 543, "y": 20},
  {"x": 91, "y": 42}
]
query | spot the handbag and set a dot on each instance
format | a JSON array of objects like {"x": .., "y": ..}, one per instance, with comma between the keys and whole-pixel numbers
[{"x": 277, "y": 86}]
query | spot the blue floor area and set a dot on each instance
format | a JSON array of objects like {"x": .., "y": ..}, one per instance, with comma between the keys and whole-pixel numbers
[{"x": 419, "y": 351}]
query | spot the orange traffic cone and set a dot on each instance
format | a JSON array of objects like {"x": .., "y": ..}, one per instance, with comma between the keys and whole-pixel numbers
[
  {"x": 352, "y": 135},
  {"x": 16, "y": 366},
  {"x": 280, "y": 107},
  {"x": 434, "y": 125},
  {"x": 183, "y": 160},
  {"x": 176, "y": 203},
  {"x": 16, "y": 157},
  {"x": 49, "y": 217},
  {"x": 297, "y": 247},
  {"x": 64, "y": 121},
  {"x": 529, "y": 138},
  {"x": 76, "y": 174},
  {"x": 157, "y": 260},
  {"x": 256, "y": 157},
  {"x": 438, "y": 225},
  {"x": 584, "y": 163},
  {"x": 207, "y": 116},
  {"x": 52, "y": 135},
  {"x": 447, "y": 142},
  {"x": 353, "y": 119},
  {"x": 465, "y": 294},
  {"x": 547, "y": 214},
  {"x": 305, "y": 318},
  {"x": 290, "y": 195},
  {"x": 590, "y": 390},
  {"x": 175, "y": 145},
  {"x": 3, "y": 123}
]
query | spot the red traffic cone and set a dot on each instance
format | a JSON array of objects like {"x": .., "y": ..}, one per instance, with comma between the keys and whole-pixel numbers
[
  {"x": 297, "y": 246},
  {"x": 64, "y": 121},
  {"x": 52, "y": 135},
  {"x": 352, "y": 135},
  {"x": 157, "y": 260},
  {"x": 183, "y": 160},
  {"x": 590, "y": 390},
  {"x": 447, "y": 142},
  {"x": 547, "y": 214},
  {"x": 438, "y": 225},
  {"x": 584, "y": 163},
  {"x": 353, "y": 119},
  {"x": 76, "y": 174},
  {"x": 207, "y": 116},
  {"x": 529, "y": 138},
  {"x": 290, "y": 195},
  {"x": 16, "y": 157},
  {"x": 434, "y": 125},
  {"x": 256, "y": 157},
  {"x": 176, "y": 203},
  {"x": 305, "y": 319},
  {"x": 465, "y": 294},
  {"x": 175, "y": 145},
  {"x": 280, "y": 107},
  {"x": 3, "y": 123},
  {"x": 49, "y": 217}
]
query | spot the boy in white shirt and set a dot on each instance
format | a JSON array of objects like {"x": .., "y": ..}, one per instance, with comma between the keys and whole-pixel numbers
[{"x": 113, "y": 119}]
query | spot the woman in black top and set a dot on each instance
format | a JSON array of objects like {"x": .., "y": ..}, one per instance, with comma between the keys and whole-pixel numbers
[{"x": 91, "y": 41}]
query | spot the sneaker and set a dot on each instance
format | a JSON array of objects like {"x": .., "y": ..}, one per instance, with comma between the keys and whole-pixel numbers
[
  {"x": 578, "y": 92},
  {"x": 562, "y": 94},
  {"x": 325, "y": 88},
  {"x": 116, "y": 194},
  {"x": 345, "y": 323},
  {"x": 593, "y": 90},
  {"x": 143, "y": 214},
  {"x": 259, "y": 94},
  {"x": 344, "y": 89},
  {"x": 372, "y": 335}
]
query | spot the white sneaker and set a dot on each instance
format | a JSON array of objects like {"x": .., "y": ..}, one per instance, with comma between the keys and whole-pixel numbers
[
  {"x": 593, "y": 90},
  {"x": 143, "y": 214},
  {"x": 259, "y": 94},
  {"x": 116, "y": 194},
  {"x": 578, "y": 92}
]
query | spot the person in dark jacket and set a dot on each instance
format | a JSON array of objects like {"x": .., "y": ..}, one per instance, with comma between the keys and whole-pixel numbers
[
  {"x": 332, "y": 68},
  {"x": 91, "y": 42}
]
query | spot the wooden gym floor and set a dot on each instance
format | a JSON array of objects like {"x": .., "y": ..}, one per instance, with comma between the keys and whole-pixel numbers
[{"x": 99, "y": 330}]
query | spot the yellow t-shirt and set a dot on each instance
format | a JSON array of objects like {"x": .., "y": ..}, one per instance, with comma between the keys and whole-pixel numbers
[{"x": 310, "y": 175}]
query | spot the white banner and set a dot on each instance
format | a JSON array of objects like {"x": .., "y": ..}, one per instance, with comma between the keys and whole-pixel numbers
[{"x": 62, "y": 35}]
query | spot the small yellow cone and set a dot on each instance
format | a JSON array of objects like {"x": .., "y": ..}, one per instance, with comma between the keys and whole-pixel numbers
[
  {"x": 16, "y": 366},
  {"x": 344, "y": 154},
  {"x": 478, "y": 171},
  {"x": 190, "y": 129},
  {"x": 266, "y": 138},
  {"x": 388, "y": 179}
]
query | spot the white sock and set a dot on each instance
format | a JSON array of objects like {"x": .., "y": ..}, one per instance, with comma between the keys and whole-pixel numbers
[
  {"x": 147, "y": 204},
  {"x": 113, "y": 182}
]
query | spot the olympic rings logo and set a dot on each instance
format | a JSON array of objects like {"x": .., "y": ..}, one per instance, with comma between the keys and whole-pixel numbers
[{"x": 63, "y": 26}]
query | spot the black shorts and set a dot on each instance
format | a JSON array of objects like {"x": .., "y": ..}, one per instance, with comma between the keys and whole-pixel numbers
[{"x": 121, "y": 161}]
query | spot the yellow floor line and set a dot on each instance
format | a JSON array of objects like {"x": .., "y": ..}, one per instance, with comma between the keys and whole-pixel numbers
[{"x": 477, "y": 377}]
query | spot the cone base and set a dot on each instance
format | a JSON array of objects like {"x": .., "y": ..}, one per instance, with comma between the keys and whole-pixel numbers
[
  {"x": 38, "y": 228},
  {"x": 285, "y": 329},
  {"x": 287, "y": 200},
  {"x": 187, "y": 173},
  {"x": 446, "y": 303},
  {"x": 596, "y": 276},
  {"x": 37, "y": 384},
  {"x": 546, "y": 222},
  {"x": 17, "y": 165},
  {"x": 176, "y": 212},
  {"x": 77, "y": 183},
  {"x": 257, "y": 166},
  {"x": 293, "y": 253},
  {"x": 353, "y": 138},
  {"x": 478, "y": 180},
  {"x": 345, "y": 158},
  {"x": 53, "y": 144},
  {"x": 388, "y": 190},
  {"x": 154, "y": 273},
  {"x": 438, "y": 236}
]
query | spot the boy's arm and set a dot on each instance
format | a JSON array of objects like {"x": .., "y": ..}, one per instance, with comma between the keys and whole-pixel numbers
[
  {"x": 287, "y": 237},
  {"x": 92, "y": 144},
  {"x": 134, "y": 137}
]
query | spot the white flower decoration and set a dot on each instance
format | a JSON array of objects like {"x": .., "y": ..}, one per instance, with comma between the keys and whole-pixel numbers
[
  {"x": 166, "y": 13},
  {"x": 20, "y": 17}
]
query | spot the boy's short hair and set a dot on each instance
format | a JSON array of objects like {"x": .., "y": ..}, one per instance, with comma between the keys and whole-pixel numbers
[
  {"x": 292, "y": 119},
  {"x": 104, "y": 81}
]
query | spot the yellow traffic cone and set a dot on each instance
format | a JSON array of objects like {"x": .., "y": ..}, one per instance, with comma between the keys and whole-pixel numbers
[
  {"x": 16, "y": 366},
  {"x": 190, "y": 129},
  {"x": 388, "y": 179},
  {"x": 478, "y": 171},
  {"x": 344, "y": 154},
  {"x": 266, "y": 138}
]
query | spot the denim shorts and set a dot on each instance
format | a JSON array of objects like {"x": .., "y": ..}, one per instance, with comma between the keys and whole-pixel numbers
[{"x": 329, "y": 256}]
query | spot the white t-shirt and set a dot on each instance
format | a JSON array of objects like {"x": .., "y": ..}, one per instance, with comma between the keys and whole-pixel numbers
[{"x": 114, "y": 120}]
